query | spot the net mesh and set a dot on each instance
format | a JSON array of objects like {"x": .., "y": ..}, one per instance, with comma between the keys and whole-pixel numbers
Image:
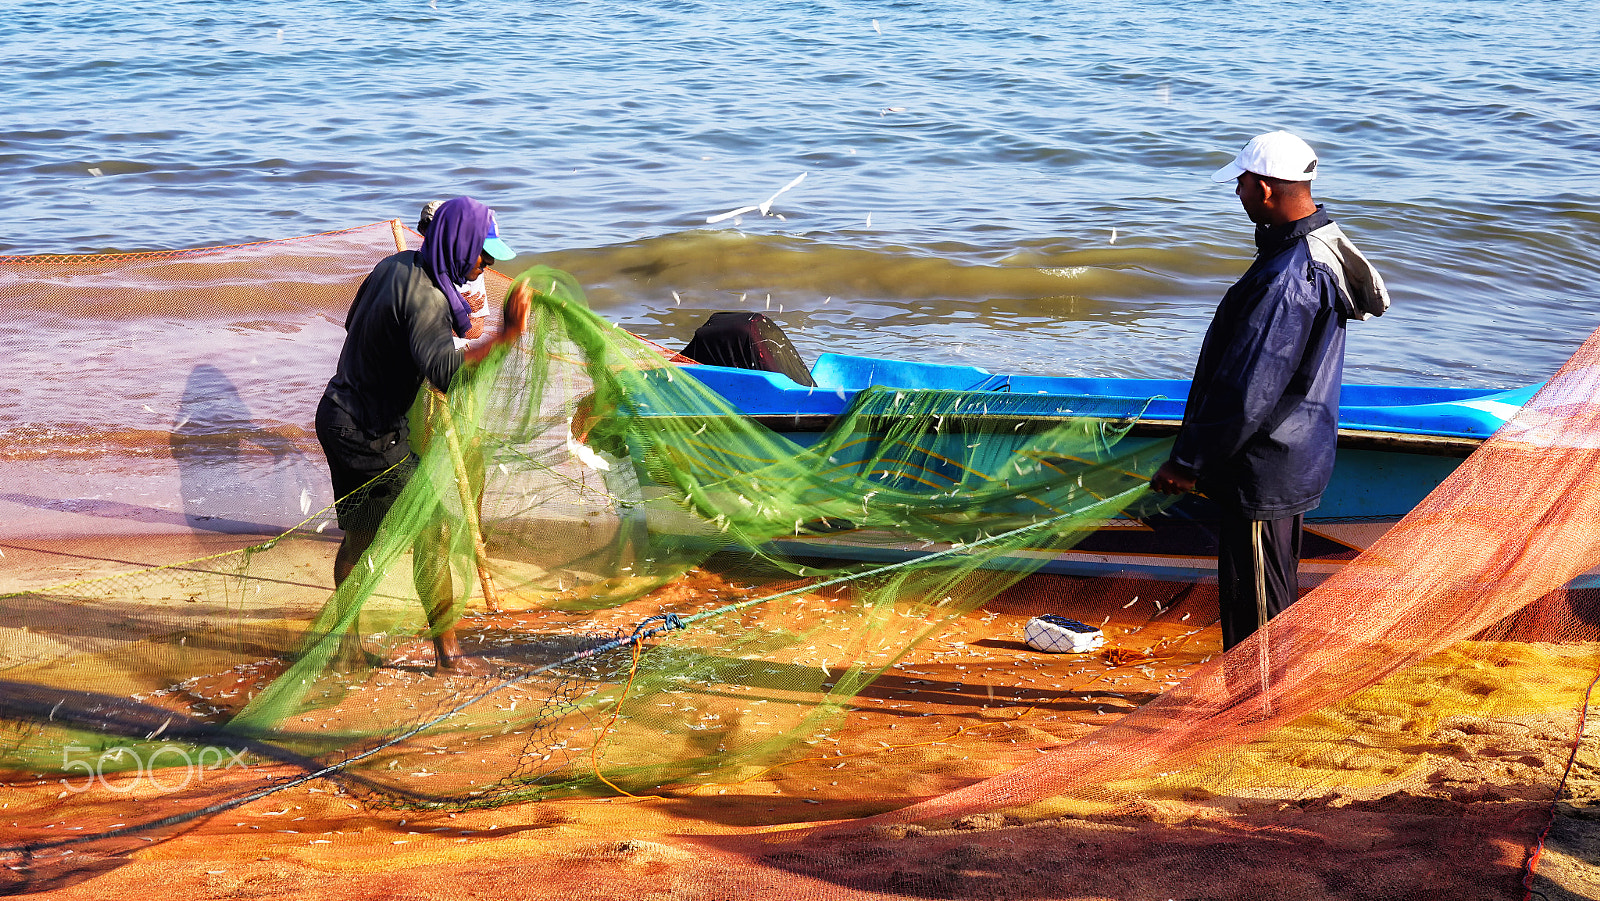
[{"x": 610, "y": 531}]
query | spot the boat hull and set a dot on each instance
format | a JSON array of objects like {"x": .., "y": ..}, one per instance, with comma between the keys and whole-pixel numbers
[
  {"x": 1396, "y": 444},
  {"x": 1371, "y": 489}
]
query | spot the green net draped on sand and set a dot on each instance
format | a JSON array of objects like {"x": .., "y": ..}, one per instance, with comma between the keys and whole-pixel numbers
[{"x": 575, "y": 474}]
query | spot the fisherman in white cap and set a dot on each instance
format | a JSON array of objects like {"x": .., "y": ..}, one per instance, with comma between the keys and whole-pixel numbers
[{"x": 1261, "y": 421}]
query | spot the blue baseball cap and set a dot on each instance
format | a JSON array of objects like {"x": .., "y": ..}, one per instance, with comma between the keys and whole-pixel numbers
[{"x": 495, "y": 247}]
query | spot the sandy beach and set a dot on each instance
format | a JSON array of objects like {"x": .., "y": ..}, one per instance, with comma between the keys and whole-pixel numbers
[{"x": 1449, "y": 822}]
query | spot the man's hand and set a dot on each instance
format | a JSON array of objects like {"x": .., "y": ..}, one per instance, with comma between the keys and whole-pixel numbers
[
  {"x": 515, "y": 321},
  {"x": 1173, "y": 478}
]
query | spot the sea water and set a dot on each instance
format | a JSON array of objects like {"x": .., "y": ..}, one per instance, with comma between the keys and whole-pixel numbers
[{"x": 1018, "y": 186}]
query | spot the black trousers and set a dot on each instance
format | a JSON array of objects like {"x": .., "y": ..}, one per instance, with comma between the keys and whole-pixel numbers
[
  {"x": 1258, "y": 571},
  {"x": 366, "y": 479}
]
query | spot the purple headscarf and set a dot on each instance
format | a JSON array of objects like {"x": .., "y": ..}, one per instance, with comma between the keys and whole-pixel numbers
[{"x": 454, "y": 241}]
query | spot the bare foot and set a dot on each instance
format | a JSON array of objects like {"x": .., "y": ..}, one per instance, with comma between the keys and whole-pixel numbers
[
  {"x": 450, "y": 661},
  {"x": 352, "y": 657},
  {"x": 465, "y": 666}
]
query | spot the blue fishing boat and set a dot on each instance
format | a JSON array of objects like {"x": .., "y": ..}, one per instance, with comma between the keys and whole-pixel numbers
[{"x": 1396, "y": 443}]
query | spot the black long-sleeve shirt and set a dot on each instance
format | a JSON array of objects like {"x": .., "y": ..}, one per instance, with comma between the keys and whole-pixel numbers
[{"x": 397, "y": 334}]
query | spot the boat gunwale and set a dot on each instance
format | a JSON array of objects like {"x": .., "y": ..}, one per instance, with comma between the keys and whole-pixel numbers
[{"x": 1350, "y": 438}]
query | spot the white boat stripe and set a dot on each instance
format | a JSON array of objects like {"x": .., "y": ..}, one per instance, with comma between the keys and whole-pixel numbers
[{"x": 1493, "y": 407}]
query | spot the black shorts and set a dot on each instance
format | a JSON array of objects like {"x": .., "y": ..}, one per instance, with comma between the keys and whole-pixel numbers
[{"x": 368, "y": 470}]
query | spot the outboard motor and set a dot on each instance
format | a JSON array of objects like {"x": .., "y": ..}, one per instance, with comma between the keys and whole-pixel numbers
[{"x": 747, "y": 341}]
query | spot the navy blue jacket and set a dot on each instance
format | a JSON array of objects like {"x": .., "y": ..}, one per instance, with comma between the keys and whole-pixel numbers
[{"x": 1261, "y": 421}]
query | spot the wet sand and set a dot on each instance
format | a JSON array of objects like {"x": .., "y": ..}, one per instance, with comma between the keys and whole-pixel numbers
[{"x": 967, "y": 705}]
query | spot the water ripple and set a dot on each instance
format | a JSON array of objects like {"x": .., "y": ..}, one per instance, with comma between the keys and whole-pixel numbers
[{"x": 953, "y": 152}]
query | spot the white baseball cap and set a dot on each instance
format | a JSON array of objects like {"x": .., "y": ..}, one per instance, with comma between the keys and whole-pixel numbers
[{"x": 1276, "y": 154}]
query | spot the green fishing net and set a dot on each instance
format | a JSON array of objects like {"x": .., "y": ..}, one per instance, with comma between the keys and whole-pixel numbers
[{"x": 655, "y": 587}]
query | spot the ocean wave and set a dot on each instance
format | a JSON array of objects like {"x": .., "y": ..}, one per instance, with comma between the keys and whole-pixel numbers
[{"x": 700, "y": 265}]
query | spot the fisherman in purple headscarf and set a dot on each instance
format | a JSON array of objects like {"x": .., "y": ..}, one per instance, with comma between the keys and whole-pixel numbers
[{"x": 399, "y": 333}]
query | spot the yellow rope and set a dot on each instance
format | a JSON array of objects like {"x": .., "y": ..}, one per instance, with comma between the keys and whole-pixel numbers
[{"x": 594, "y": 750}]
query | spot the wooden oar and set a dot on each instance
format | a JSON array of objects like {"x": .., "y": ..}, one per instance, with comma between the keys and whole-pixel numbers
[{"x": 469, "y": 505}]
